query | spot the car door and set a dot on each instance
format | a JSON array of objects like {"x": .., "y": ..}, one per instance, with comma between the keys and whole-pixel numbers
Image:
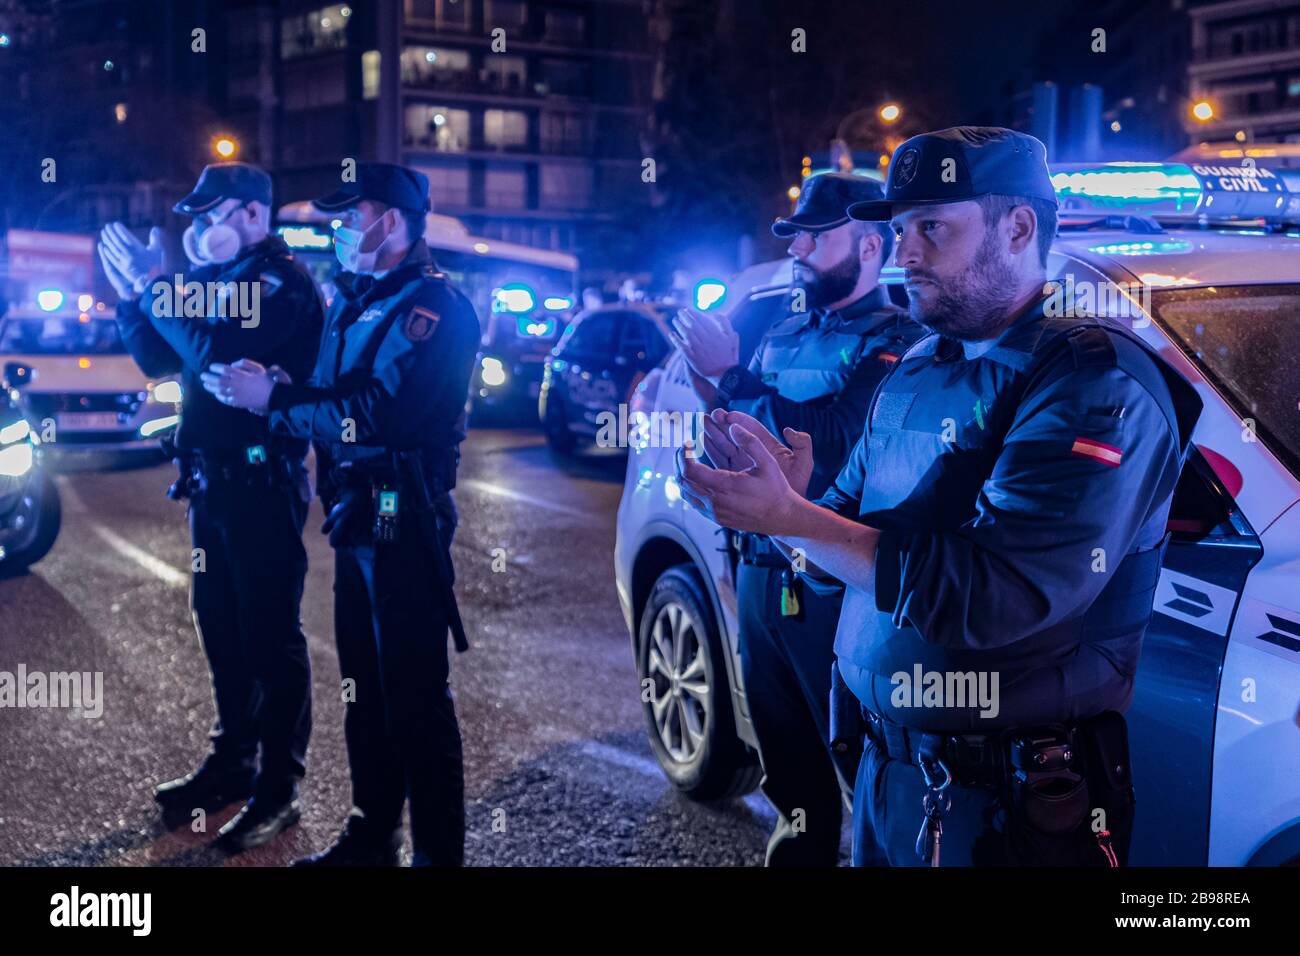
[{"x": 587, "y": 370}]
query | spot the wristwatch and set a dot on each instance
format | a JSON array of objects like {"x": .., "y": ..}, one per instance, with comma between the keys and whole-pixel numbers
[{"x": 728, "y": 383}]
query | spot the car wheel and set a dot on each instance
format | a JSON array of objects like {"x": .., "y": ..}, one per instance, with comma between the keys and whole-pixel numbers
[
  {"x": 556, "y": 425},
  {"x": 34, "y": 526},
  {"x": 688, "y": 714}
]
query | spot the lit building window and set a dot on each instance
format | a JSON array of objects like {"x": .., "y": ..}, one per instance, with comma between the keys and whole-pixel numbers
[
  {"x": 448, "y": 185},
  {"x": 437, "y": 127},
  {"x": 567, "y": 186},
  {"x": 370, "y": 74},
  {"x": 505, "y": 189},
  {"x": 315, "y": 32},
  {"x": 435, "y": 66},
  {"x": 506, "y": 73},
  {"x": 119, "y": 112},
  {"x": 505, "y": 128}
]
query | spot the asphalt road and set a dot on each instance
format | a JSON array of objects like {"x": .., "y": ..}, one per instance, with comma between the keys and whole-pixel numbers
[{"x": 547, "y": 696}]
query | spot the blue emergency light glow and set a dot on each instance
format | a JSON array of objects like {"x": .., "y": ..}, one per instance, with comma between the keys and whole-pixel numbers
[
  {"x": 1130, "y": 184},
  {"x": 539, "y": 328},
  {"x": 304, "y": 237},
  {"x": 514, "y": 297},
  {"x": 709, "y": 293},
  {"x": 557, "y": 303},
  {"x": 50, "y": 300}
]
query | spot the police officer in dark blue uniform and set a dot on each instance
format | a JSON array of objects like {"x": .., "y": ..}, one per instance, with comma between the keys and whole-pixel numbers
[
  {"x": 244, "y": 295},
  {"x": 999, "y": 528},
  {"x": 385, "y": 408},
  {"x": 813, "y": 373}
]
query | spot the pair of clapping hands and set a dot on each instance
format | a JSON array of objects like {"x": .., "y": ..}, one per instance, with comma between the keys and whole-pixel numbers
[
  {"x": 708, "y": 341},
  {"x": 244, "y": 384},
  {"x": 756, "y": 482}
]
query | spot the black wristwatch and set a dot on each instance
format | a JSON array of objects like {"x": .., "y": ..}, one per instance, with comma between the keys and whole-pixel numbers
[{"x": 728, "y": 384}]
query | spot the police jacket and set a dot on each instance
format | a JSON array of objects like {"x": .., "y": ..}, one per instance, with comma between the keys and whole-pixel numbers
[
  {"x": 186, "y": 328},
  {"x": 1021, "y": 497},
  {"x": 393, "y": 370},
  {"x": 815, "y": 372}
]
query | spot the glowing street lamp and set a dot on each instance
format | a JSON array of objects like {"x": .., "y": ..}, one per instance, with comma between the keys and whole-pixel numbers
[
  {"x": 225, "y": 146},
  {"x": 1203, "y": 111},
  {"x": 890, "y": 112}
]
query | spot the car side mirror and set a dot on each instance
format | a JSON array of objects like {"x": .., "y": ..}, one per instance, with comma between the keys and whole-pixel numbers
[{"x": 16, "y": 375}]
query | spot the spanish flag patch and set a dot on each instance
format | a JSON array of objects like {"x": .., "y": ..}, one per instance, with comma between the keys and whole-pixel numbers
[
  {"x": 420, "y": 324},
  {"x": 1097, "y": 451},
  {"x": 889, "y": 358}
]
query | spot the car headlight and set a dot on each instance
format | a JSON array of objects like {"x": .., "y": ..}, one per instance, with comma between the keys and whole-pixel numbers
[
  {"x": 492, "y": 373},
  {"x": 15, "y": 460},
  {"x": 168, "y": 393},
  {"x": 15, "y": 432}
]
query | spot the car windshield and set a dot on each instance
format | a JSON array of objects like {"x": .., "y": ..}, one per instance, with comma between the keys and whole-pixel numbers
[
  {"x": 60, "y": 336},
  {"x": 1245, "y": 339}
]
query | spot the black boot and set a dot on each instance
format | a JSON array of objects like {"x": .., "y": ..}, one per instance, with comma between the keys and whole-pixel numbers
[
  {"x": 260, "y": 822},
  {"x": 208, "y": 788},
  {"x": 358, "y": 845}
]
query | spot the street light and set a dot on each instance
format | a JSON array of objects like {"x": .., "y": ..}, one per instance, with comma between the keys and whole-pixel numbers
[
  {"x": 225, "y": 146},
  {"x": 890, "y": 112},
  {"x": 1203, "y": 111}
]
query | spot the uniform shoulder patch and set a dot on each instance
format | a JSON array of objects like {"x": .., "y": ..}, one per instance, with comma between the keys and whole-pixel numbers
[
  {"x": 1092, "y": 345},
  {"x": 420, "y": 323}
]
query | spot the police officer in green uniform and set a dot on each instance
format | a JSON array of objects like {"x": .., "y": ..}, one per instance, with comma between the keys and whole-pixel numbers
[
  {"x": 999, "y": 529},
  {"x": 243, "y": 294},
  {"x": 385, "y": 408},
  {"x": 813, "y": 375}
]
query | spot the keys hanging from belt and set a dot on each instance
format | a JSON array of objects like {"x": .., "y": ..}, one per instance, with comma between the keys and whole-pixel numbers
[
  {"x": 935, "y": 802},
  {"x": 789, "y": 594},
  {"x": 386, "y": 508}
]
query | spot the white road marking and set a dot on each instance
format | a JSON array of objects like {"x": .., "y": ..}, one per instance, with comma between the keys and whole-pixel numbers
[
  {"x": 159, "y": 569},
  {"x": 647, "y": 767},
  {"x": 488, "y": 488}
]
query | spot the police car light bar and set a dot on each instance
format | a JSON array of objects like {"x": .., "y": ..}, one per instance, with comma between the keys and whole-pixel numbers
[{"x": 1176, "y": 192}]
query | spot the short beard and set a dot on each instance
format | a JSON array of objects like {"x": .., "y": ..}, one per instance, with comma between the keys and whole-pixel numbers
[
  {"x": 833, "y": 284},
  {"x": 976, "y": 304}
]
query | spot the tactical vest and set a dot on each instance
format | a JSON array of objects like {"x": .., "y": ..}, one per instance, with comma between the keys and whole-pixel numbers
[
  {"x": 804, "y": 363},
  {"x": 930, "y": 449}
]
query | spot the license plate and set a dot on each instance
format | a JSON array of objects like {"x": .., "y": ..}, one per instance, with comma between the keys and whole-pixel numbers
[{"x": 88, "y": 421}]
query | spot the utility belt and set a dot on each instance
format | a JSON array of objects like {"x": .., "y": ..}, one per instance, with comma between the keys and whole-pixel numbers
[
  {"x": 758, "y": 550},
  {"x": 381, "y": 500},
  {"x": 257, "y": 467},
  {"x": 1067, "y": 787}
]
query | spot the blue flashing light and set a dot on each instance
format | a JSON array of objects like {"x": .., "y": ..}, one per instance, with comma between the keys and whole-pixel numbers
[
  {"x": 1130, "y": 184},
  {"x": 538, "y": 328},
  {"x": 557, "y": 303},
  {"x": 304, "y": 237},
  {"x": 514, "y": 297},
  {"x": 50, "y": 300},
  {"x": 709, "y": 293}
]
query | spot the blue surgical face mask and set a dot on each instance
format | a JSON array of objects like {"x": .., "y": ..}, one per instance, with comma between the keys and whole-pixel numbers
[{"x": 347, "y": 248}]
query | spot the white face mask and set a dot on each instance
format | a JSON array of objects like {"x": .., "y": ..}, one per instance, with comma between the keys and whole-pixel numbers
[
  {"x": 216, "y": 243},
  {"x": 348, "y": 248}
]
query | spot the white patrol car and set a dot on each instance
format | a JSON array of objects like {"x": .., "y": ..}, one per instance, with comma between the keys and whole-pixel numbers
[
  {"x": 85, "y": 395},
  {"x": 1200, "y": 261}
]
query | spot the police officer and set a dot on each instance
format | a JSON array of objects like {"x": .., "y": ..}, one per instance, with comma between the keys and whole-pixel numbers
[
  {"x": 999, "y": 528},
  {"x": 385, "y": 408},
  {"x": 811, "y": 379},
  {"x": 243, "y": 295}
]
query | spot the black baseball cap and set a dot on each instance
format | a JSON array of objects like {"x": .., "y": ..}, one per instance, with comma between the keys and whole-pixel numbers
[
  {"x": 822, "y": 202},
  {"x": 222, "y": 181},
  {"x": 387, "y": 183},
  {"x": 964, "y": 162}
]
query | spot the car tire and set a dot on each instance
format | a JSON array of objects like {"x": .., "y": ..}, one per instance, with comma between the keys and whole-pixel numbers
[
  {"x": 689, "y": 719},
  {"x": 556, "y": 426},
  {"x": 48, "y": 513}
]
